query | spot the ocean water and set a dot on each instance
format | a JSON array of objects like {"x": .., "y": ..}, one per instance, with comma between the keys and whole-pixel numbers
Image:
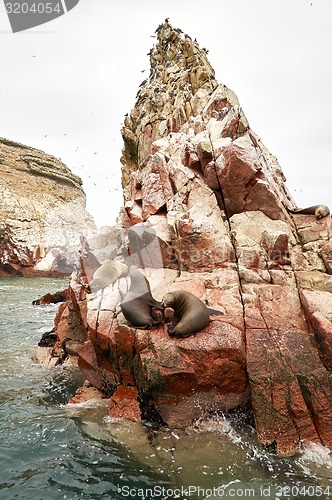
[{"x": 50, "y": 450}]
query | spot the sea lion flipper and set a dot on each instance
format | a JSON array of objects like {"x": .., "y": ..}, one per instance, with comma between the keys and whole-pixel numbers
[
  {"x": 170, "y": 327},
  {"x": 214, "y": 312},
  {"x": 156, "y": 304}
]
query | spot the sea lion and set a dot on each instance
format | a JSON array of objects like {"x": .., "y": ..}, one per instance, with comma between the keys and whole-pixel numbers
[
  {"x": 190, "y": 313},
  {"x": 107, "y": 274},
  {"x": 319, "y": 211},
  {"x": 138, "y": 306}
]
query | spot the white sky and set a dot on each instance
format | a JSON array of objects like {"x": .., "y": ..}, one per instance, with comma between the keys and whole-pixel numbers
[{"x": 65, "y": 86}]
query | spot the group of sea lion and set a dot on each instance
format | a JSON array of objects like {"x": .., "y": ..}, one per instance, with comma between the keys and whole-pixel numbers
[{"x": 140, "y": 308}]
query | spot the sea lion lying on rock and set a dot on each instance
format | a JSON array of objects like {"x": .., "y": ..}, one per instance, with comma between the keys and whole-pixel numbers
[
  {"x": 319, "y": 211},
  {"x": 107, "y": 274},
  {"x": 139, "y": 308},
  {"x": 190, "y": 313}
]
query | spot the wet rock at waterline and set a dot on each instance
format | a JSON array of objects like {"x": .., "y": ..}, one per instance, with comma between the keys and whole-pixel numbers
[
  {"x": 51, "y": 298},
  {"x": 206, "y": 210}
]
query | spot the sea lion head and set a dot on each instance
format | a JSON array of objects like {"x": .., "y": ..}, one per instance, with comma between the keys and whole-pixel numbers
[
  {"x": 107, "y": 274},
  {"x": 322, "y": 211},
  {"x": 168, "y": 300}
]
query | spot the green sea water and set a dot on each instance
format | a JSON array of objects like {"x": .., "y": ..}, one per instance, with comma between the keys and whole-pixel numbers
[{"x": 50, "y": 450}]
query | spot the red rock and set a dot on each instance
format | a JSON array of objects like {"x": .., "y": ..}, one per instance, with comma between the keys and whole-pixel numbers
[
  {"x": 85, "y": 394},
  {"x": 88, "y": 364},
  {"x": 124, "y": 403},
  {"x": 53, "y": 298},
  {"x": 326, "y": 254}
]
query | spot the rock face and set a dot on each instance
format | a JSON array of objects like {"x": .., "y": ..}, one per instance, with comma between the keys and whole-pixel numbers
[
  {"x": 42, "y": 212},
  {"x": 206, "y": 211}
]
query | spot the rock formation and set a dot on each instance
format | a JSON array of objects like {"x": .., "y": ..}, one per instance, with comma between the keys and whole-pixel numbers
[
  {"x": 42, "y": 213},
  {"x": 206, "y": 211},
  {"x": 51, "y": 298}
]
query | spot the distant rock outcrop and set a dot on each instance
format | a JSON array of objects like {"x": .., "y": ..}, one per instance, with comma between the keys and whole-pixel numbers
[
  {"x": 206, "y": 211},
  {"x": 42, "y": 211}
]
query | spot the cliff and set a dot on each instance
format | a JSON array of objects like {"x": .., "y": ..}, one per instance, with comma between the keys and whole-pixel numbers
[
  {"x": 205, "y": 210},
  {"x": 42, "y": 212}
]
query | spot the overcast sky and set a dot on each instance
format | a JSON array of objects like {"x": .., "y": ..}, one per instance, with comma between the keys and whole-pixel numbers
[{"x": 65, "y": 86}]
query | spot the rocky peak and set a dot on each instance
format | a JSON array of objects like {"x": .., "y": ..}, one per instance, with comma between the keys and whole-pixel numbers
[
  {"x": 188, "y": 145},
  {"x": 178, "y": 68}
]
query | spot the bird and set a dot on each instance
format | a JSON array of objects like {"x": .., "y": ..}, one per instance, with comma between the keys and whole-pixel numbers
[{"x": 142, "y": 71}]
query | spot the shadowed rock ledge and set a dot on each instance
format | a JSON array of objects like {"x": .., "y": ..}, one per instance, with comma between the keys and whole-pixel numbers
[{"x": 205, "y": 210}]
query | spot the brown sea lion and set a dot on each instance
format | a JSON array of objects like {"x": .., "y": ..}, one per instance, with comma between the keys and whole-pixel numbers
[
  {"x": 107, "y": 274},
  {"x": 138, "y": 306},
  {"x": 319, "y": 211},
  {"x": 190, "y": 313}
]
